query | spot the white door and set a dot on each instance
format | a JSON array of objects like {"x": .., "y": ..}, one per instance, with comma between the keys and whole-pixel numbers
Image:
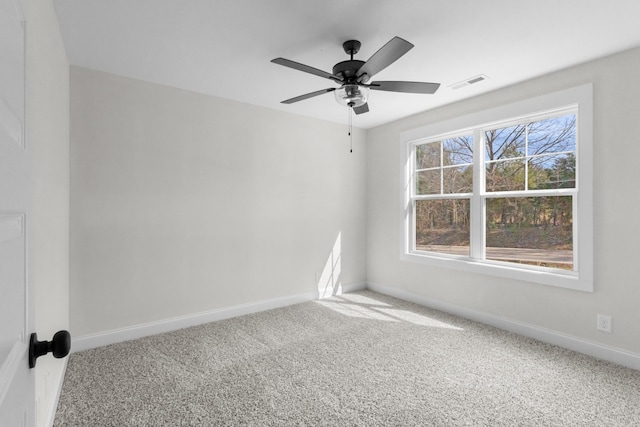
[{"x": 17, "y": 407}]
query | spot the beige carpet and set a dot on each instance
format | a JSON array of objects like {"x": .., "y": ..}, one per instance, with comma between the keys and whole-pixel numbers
[{"x": 360, "y": 359}]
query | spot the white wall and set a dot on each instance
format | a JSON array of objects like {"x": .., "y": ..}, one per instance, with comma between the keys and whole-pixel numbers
[
  {"x": 48, "y": 141},
  {"x": 616, "y": 151},
  {"x": 183, "y": 203}
]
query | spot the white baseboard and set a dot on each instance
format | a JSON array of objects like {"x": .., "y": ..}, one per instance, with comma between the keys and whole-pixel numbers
[
  {"x": 600, "y": 351},
  {"x": 166, "y": 325},
  {"x": 352, "y": 287}
]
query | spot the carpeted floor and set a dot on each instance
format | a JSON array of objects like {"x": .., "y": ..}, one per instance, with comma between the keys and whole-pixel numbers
[{"x": 360, "y": 359}]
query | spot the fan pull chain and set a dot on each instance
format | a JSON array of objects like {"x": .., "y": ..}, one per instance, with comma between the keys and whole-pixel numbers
[{"x": 350, "y": 129}]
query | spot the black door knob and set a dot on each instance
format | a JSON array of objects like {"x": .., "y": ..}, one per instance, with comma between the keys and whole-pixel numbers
[{"x": 59, "y": 346}]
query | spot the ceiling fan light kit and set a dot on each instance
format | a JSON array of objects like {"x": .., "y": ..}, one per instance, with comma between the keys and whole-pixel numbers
[
  {"x": 353, "y": 75},
  {"x": 352, "y": 95}
]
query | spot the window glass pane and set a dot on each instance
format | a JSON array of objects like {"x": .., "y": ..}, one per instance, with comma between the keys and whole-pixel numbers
[
  {"x": 443, "y": 226},
  {"x": 552, "y": 171},
  {"x": 531, "y": 230},
  {"x": 428, "y": 182},
  {"x": 552, "y": 135},
  {"x": 505, "y": 143},
  {"x": 458, "y": 179},
  {"x": 458, "y": 150},
  {"x": 428, "y": 155},
  {"x": 507, "y": 175}
]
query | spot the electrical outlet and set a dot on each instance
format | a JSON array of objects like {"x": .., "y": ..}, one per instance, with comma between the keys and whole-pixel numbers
[{"x": 604, "y": 323}]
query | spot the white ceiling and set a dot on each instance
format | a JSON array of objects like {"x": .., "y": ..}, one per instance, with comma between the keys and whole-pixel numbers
[{"x": 224, "y": 47}]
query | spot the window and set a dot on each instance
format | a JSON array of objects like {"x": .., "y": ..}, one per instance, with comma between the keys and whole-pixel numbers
[
  {"x": 506, "y": 191},
  {"x": 443, "y": 177}
]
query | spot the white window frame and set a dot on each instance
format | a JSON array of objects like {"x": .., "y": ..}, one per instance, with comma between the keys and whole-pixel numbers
[{"x": 580, "y": 99}]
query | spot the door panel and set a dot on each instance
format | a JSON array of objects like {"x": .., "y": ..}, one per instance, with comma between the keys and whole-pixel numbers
[
  {"x": 17, "y": 407},
  {"x": 12, "y": 270}
]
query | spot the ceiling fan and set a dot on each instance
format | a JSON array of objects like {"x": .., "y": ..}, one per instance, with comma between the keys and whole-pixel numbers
[{"x": 354, "y": 75}]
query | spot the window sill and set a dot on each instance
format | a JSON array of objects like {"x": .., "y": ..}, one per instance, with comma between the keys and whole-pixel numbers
[{"x": 550, "y": 277}]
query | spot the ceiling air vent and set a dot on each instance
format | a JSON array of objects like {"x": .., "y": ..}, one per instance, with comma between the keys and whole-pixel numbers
[{"x": 469, "y": 81}]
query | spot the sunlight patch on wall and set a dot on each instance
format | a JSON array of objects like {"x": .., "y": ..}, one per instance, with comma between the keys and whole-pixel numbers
[{"x": 329, "y": 280}]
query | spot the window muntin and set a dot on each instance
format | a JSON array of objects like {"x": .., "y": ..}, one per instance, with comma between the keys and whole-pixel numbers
[
  {"x": 527, "y": 200},
  {"x": 444, "y": 166},
  {"x": 536, "y": 154}
]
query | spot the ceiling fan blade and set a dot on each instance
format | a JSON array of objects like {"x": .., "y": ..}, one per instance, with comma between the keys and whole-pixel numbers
[
  {"x": 305, "y": 68},
  {"x": 307, "y": 96},
  {"x": 385, "y": 56},
  {"x": 407, "y": 87},
  {"x": 364, "y": 108}
]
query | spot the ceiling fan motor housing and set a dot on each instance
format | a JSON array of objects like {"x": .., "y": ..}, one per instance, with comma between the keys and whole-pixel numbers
[{"x": 347, "y": 70}]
